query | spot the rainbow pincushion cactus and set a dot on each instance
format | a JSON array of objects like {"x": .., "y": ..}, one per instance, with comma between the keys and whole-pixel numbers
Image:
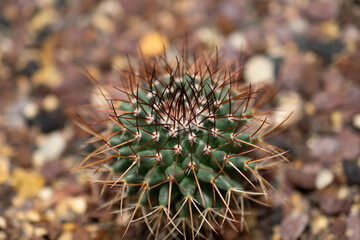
[{"x": 180, "y": 145}]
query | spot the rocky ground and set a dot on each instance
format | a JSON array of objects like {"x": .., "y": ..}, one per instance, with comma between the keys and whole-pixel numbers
[{"x": 308, "y": 49}]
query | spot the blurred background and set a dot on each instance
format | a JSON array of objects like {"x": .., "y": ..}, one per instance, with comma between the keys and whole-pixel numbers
[{"x": 308, "y": 49}]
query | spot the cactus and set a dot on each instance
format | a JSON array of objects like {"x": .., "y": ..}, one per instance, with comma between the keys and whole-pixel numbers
[{"x": 185, "y": 146}]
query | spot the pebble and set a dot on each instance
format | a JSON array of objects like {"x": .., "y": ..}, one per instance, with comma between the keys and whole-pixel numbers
[
  {"x": 44, "y": 18},
  {"x": 291, "y": 71},
  {"x": 352, "y": 226},
  {"x": 323, "y": 179},
  {"x": 70, "y": 226},
  {"x": 111, "y": 8},
  {"x": 153, "y": 43},
  {"x": 331, "y": 205},
  {"x": 338, "y": 228},
  {"x": 290, "y": 104},
  {"x": 330, "y": 29},
  {"x": 352, "y": 172},
  {"x": 30, "y": 110},
  {"x": 27, "y": 183},
  {"x": 336, "y": 120},
  {"x": 50, "y": 147},
  {"x": 325, "y": 148},
  {"x": 326, "y": 50},
  {"x": 298, "y": 202},
  {"x": 322, "y": 10},
  {"x": 66, "y": 236},
  {"x": 50, "y": 103},
  {"x": 209, "y": 36},
  {"x": 298, "y": 25},
  {"x": 46, "y": 194},
  {"x": 237, "y": 41},
  {"x": 28, "y": 229},
  {"x": 293, "y": 225},
  {"x": 318, "y": 224},
  {"x": 260, "y": 69},
  {"x": 40, "y": 232},
  {"x": 2, "y": 223},
  {"x": 33, "y": 216},
  {"x": 350, "y": 144},
  {"x": 52, "y": 170},
  {"x": 78, "y": 204},
  {"x": 49, "y": 75},
  {"x": 4, "y": 169},
  {"x": 3, "y": 235},
  {"x": 349, "y": 65},
  {"x": 103, "y": 23},
  {"x": 356, "y": 121},
  {"x": 301, "y": 179}
]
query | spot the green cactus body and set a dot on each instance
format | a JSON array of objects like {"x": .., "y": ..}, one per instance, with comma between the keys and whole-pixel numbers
[{"x": 182, "y": 143}]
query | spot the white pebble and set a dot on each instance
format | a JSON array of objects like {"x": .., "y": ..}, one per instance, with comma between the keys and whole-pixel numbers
[
  {"x": 238, "y": 41},
  {"x": 323, "y": 179},
  {"x": 50, "y": 148},
  {"x": 260, "y": 69}
]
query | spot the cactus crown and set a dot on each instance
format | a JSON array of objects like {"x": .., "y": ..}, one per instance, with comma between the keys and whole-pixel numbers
[{"x": 181, "y": 145}]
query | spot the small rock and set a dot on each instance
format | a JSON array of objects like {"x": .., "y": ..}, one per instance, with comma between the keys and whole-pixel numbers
[
  {"x": 46, "y": 194},
  {"x": 326, "y": 50},
  {"x": 331, "y": 205},
  {"x": 103, "y": 23},
  {"x": 40, "y": 232},
  {"x": 318, "y": 224},
  {"x": 50, "y": 103},
  {"x": 78, "y": 204},
  {"x": 352, "y": 172},
  {"x": 52, "y": 170},
  {"x": 260, "y": 69},
  {"x": 28, "y": 228},
  {"x": 4, "y": 169},
  {"x": 152, "y": 44},
  {"x": 290, "y": 104},
  {"x": 69, "y": 226},
  {"x": 338, "y": 228},
  {"x": 291, "y": 71},
  {"x": 336, "y": 120},
  {"x": 352, "y": 226},
  {"x": 349, "y": 65},
  {"x": 322, "y": 10},
  {"x": 27, "y": 183},
  {"x": 112, "y": 8},
  {"x": 30, "y": 110},
  {"x": 51, "y": 147},
  {"x": 3, "y": 236},
  {"x": 356, "y": 121},
  {"x": 298, "y": 25},
  {"x": 325, "y": 148},
  {"x": 209, "y": 36},
  {"x": 66, "y": 236},
  {"x": 81, "y": 234},
  {"x": 293, "y": 225},
  {"x": 42, "y": 19},
  {"x": 350, "y": 144},
  {"x": 2, "y": 223},
  {"x": 33, "y": 216},
  {"x": 237, "y": 41},
  {"x": 323, "y": 179},
  {"x": 330, "y": 29},
  {"x": 50, "y": 121},
  {"x": 324, "y": 101},
  {"x": 48, "y": 75},
  {"x": 301, "y": 179}
]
